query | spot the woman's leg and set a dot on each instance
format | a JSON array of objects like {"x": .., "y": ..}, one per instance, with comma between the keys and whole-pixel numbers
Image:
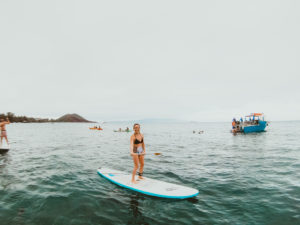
[
  {"x": 136, "y": 165},
  {"x": 5, "y": 136},
  {"x": 6, "y": 140},
  {"x": 141, "y": 161}
]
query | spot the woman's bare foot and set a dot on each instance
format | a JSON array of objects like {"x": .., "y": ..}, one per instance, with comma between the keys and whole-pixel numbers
[
  {"x": 134, "y": 181},
  {"x": 141, "y": 178}
]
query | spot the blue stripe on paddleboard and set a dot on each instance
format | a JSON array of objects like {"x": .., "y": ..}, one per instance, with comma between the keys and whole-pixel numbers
[{"x": 145, "y": 192}]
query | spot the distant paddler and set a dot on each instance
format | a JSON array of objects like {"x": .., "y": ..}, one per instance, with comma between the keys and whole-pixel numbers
[
  {"x": 137, "y": 151},
  {"x": 3, "y": 124}
]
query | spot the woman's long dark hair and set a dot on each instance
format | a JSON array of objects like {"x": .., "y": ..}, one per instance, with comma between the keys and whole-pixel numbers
[{"x": 136, "y": 124}]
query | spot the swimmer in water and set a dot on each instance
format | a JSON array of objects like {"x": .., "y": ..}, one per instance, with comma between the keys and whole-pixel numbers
[{"x": 137, "y": 151}]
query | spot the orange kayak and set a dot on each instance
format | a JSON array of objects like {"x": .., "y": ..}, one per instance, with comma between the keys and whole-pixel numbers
[{"x": 92, "y": 128}]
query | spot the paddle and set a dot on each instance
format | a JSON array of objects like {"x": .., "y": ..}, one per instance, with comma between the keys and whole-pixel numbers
[{"x": 157, "y": 153}]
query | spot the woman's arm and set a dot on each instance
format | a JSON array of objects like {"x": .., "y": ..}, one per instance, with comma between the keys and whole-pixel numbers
[
  {"x": 131, "y": 146},
  {"x": 143, "y": 146}
]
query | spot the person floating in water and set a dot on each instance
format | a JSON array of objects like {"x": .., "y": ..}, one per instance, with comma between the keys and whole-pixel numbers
[
  {"x": 199, "y": 132},
  {"x": 137, "y": 151},
  {"x": 3, "y": 124}
]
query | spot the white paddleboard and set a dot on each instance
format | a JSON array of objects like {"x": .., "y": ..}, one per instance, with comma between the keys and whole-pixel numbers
[{"x": 148, "y": 186}]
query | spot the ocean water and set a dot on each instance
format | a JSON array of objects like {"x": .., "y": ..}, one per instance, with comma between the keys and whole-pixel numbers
[{"x": 50, "y": 175}]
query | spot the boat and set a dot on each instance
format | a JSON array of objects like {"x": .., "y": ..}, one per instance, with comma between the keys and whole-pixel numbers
[
  {"x": 94, "y": 128},
  {"x": 255, "y": 122}
]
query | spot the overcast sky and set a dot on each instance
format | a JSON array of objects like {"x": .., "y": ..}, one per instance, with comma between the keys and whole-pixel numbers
[{"x": 119, "y": 60}]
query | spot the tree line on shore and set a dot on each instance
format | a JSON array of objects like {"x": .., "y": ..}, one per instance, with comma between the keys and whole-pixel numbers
[{"x": 23, "y": 119}]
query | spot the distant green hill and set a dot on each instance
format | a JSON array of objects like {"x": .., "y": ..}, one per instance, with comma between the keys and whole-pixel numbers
[{"x": 72, "y": 118}]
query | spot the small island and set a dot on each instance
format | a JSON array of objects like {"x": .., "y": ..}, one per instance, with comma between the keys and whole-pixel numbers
[
  {"x": 67, "y": 118},
  {"x": 73, "y": 118}
]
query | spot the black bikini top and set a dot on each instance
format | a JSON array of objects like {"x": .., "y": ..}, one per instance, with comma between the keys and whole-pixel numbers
[{"x": 137, "y": 141}]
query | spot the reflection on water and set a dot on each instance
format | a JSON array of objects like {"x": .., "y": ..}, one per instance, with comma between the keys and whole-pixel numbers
[
  {"x": 5, "y": 180},
  {"x": 192, "y": 200},
  {"x": 137, "y": 216},
  {"x": 19, "y": 220},
  {"x": 5, "y": 159}
]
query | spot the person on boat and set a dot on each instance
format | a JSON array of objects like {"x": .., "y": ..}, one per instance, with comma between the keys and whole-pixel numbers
[
  {"x": 3, "y": 124},
  {"x": 120, "y": 130},
  {"x": 233, "y": 123},
  {"x": 137, "y": 151},
  {"x": 127, "y": 129}
]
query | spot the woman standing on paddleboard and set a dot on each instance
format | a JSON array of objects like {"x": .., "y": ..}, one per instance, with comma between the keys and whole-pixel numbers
[
  {"x": 3, "y": 130},
  {"x": 137, "y": 151}
]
